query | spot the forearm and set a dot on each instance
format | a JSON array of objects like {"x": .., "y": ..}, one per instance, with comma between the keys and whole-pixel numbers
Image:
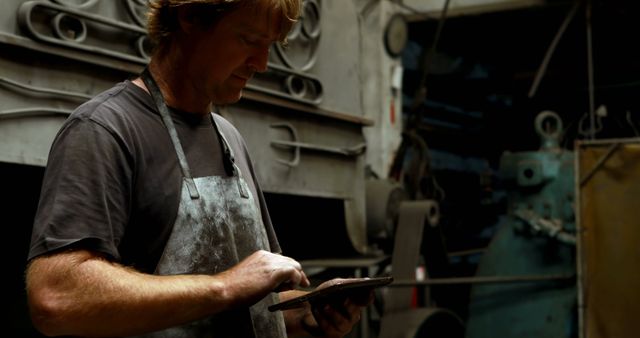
[{"x": 77, "y": 293}]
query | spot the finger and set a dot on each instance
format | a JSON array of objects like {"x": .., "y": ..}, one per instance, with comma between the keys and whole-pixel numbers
[
  {"x": 331, "y": 320},
  {"x": 304, "y": 281},
  {"x": 351, "y": 310},
  {"x": 298, "y": 277},
  {"x": 291, "y": 283},
  {"x": 285, "y": 286},
  {"x": 341, "y": 306},
  {"x": 330, "y": 323},
  {"x": 345, "y": 306}
]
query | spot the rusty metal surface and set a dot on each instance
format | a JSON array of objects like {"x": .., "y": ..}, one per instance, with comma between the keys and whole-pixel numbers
[{"x": 608, "y": 190}]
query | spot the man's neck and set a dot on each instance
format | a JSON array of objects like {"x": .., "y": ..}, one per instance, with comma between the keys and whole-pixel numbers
[{"x": 177, "y": 89}]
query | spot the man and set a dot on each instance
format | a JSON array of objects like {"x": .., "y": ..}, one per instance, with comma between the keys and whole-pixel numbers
[{"x": 150, "y": 221}]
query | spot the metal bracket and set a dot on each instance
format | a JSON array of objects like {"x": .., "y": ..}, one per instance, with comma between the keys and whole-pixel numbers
[
  {"x": 296, "y": 151},
  {"x": 297, "y": 146}
]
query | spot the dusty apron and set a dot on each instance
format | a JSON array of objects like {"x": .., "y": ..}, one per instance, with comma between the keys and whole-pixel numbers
[{"x": 217, "y": 225}]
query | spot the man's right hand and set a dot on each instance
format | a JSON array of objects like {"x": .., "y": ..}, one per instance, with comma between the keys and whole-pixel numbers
[{"x": 261, "y": 273}]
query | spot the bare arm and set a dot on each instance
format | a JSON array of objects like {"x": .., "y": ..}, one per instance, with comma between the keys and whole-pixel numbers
[{"x": 81, "y": 293}]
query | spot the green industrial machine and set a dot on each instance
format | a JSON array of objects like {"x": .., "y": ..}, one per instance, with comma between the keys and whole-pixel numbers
[{"x": 526, "y": 277}]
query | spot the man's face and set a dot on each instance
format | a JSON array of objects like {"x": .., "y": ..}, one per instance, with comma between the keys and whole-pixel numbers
[{"x": 227, "y": 55}]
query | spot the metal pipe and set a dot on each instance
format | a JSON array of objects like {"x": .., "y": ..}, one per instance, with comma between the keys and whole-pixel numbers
[
  {"x": 547, "y": 57},
  {"x": 627, "y": 140},
  {"x": 45, "y": 91},
  {"x": 599, "y": 164},
  {"x": 483, "y": 280},
  {"x": 592, "y": 112},
  {"x": 466, "y": 252},
  {"x": 421, "y": 93},
  {"x": 35, "y": 111},
  {"x": 580, "y": 264}
]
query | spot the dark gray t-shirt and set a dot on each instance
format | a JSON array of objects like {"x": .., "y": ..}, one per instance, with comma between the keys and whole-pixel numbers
[{"x": 112, "y": 182}]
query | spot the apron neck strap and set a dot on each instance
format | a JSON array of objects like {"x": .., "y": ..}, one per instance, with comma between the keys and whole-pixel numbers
[
  {"x": 228, "y": 157},
  {"x": 156, "y": 94}
]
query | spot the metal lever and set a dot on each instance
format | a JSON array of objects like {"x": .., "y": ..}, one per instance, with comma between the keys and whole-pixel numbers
[
  {"x": 294, "y": 134},
  {"x": 350, "y": 151}
]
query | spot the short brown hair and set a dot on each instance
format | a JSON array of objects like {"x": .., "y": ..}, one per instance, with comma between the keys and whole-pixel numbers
[{"x": 162, "y": 20}]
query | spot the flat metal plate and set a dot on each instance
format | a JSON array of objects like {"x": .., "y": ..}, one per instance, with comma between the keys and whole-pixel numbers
[{"x": 608, "y": 254}]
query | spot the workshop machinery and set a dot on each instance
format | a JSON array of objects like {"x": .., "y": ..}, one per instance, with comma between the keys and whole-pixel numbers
[
  {"x": 532, "y": 253},
  {"x": 324, "y": 125}
]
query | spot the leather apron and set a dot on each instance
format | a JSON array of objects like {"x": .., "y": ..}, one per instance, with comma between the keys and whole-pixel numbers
[{"x": 217, "y": 225}]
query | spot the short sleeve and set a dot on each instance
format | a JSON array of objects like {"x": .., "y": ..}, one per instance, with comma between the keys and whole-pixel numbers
[{"x": 86, "y": 191}]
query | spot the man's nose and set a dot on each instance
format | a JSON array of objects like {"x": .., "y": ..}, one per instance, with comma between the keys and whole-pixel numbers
[{"x": 258, "y": 61}]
